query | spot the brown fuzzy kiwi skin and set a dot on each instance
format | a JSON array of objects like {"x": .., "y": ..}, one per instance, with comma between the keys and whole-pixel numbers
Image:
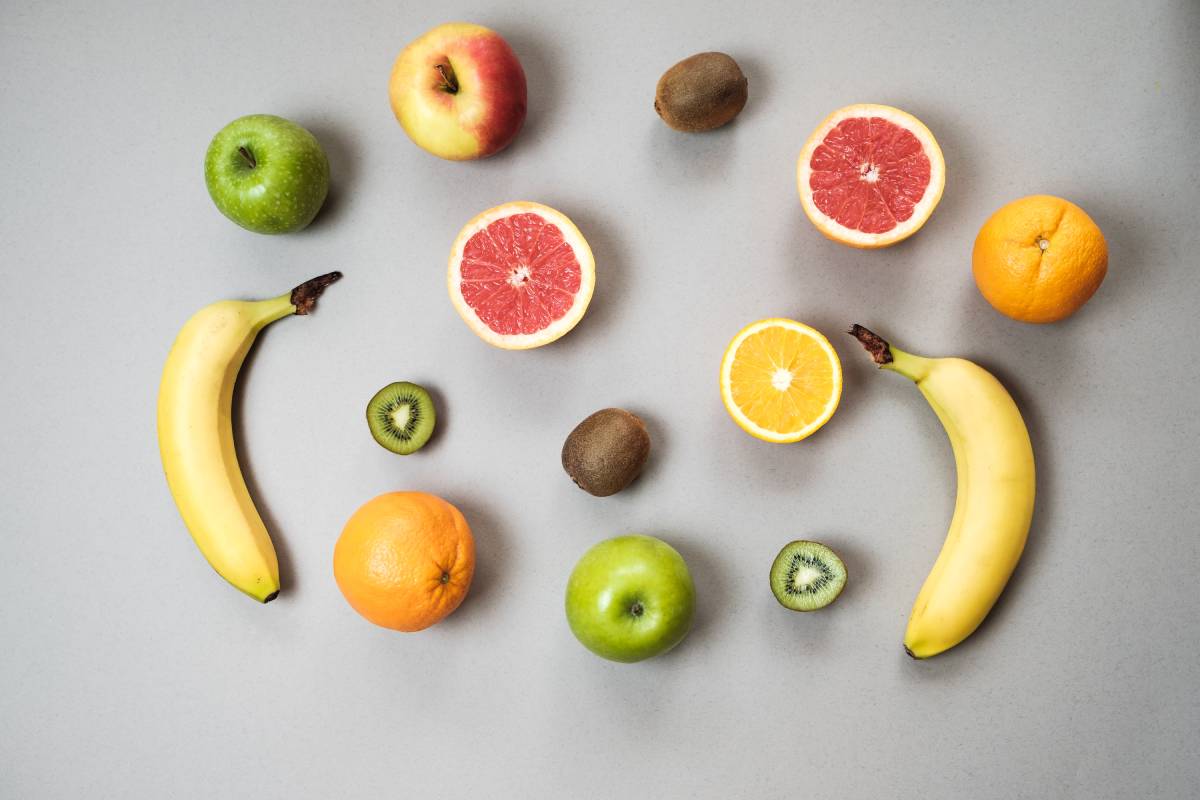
[
  {"x": 606, "y": 451},
  {"x": 700, "y": 93}
]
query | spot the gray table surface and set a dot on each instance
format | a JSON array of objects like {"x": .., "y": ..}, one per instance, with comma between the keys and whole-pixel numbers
[{"x": 131, "y": 670}]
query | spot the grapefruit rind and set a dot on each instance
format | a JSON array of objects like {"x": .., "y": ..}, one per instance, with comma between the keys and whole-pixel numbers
[
  {"x": 747, "y": 424},
  {"x": 833, "y": 229},
  {"x": 562, "y": 325}
]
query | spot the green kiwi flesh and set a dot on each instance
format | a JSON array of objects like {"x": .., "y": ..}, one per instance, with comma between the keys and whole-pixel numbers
[
  {"x": 807, "y": 576},
  {"x": 401, "y": 417}
]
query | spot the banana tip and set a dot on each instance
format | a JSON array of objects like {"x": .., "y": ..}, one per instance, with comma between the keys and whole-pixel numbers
[
  {"x": 910, "y": 653},
  {"x": 275, "y": 594}
]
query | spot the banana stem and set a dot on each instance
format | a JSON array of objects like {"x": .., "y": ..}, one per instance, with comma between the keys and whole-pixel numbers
[
  {"x": 915, "y": 368},
  {"x": 879, "y": 350},
  {"x": 304, "y": 297}
]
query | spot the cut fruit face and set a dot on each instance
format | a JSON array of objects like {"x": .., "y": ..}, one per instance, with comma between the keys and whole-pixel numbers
[
  {"x": 521, "y": 275},
  {"x": 780, "y": 380},
  {"x": 401, "y": 417},
  {"x": 807, "y": 576},
  {"x": 870, "y": 175}
]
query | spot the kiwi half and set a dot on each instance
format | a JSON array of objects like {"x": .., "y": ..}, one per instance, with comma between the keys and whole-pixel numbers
[
  {"x": 807, "y": 576},
  {"x": 401, "y": 417}
]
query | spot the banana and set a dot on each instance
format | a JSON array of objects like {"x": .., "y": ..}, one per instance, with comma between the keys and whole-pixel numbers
[
  {"x": 994, "y": 506},
  {"x": 195, "y": 434}
]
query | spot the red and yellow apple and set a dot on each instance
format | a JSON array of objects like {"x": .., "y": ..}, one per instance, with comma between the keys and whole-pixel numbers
[{"x": 459, "y": 91}]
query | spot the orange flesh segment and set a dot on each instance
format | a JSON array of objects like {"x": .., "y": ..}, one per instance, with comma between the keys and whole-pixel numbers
[{"x": 758, "y": 370}]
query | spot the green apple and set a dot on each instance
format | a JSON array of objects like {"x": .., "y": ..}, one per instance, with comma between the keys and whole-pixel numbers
[
  {"x": 630, "y": 598},
  {"x": 267, "y": 174}
]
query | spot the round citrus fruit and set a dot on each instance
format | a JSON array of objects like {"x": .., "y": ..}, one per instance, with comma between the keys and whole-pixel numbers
[
  {"x": 870, "y": 175},
  {"x": 405, "y": 560},
  {"x": 521, "y": 275},
  {"x": 1039, "y": 259},
  {"x": 780, "y": 380}
]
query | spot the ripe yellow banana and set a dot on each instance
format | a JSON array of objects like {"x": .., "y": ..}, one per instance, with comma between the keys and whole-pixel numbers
[
  {"x": 195, "y": 434},
  {"x": 994, "y": 506}
]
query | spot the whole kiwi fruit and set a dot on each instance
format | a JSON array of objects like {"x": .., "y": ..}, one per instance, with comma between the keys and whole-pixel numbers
[
  {"x": 606, "y": 451},
  {"x": 700, "y": 93}
]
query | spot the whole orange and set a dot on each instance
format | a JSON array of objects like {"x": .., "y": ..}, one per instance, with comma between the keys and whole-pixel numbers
[
  {"x": 405, "y": 560},
  {"x": 1039, "y": 259}
]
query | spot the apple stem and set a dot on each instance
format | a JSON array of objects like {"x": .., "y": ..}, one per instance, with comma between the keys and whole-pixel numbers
[
  {"x": 246, "y": 154},
  {"x": 449, "y": 84}
]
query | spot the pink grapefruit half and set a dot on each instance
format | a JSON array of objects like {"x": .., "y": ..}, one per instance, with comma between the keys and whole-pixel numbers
[
  {"x": 521, "y": 275},
  {"x": 870, "y": 175}
]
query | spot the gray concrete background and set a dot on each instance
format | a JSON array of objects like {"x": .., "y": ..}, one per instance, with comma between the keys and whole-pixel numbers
[{"x": 131, "y": 670}]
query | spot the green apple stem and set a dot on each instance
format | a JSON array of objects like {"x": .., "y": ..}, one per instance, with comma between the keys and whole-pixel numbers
[
  {"x": 246, "y": 154},
  {"x": 304, "y": 297},
  {"x": 449, "y": 82}
]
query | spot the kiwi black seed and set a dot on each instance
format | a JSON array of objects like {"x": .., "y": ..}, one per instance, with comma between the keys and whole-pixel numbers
[
  {"x": 807, "y": 576},
  {"x": 700, "y": 93},
  {"x": 606, "y": 451},
  {"x": 401, "y": 417}
]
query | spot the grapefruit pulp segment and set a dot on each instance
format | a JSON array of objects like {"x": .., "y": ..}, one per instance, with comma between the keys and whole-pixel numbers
[
  {"x": 521, "y": 275},
  {"x": 870, "y": 175}
]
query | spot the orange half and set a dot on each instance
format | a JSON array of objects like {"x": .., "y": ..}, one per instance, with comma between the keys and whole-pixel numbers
[{"x": 780, "y": 380}]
